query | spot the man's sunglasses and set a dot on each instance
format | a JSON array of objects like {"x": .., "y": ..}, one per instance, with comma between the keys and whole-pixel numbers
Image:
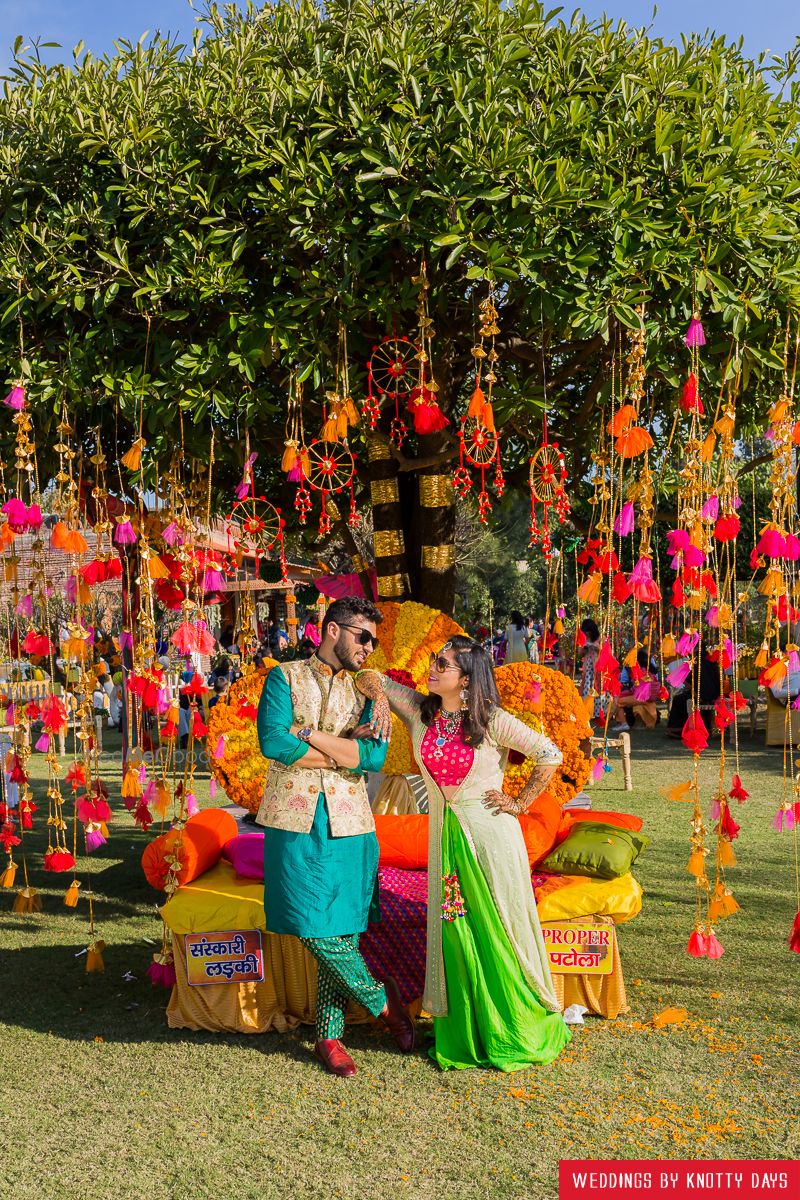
[
  {"x": 441, "y": 663},
  {"x": 365, "y": 638}
]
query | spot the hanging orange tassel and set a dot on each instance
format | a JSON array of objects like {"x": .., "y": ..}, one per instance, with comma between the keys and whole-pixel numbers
[
  {"x": 27, "y": 900},
  {"x": 342, "y": 424},
  {"x": 488, "y": 418},
  {"x": 725, "y": 854},
  {"x": 9, "y": 875},
  {"x": 94, "y": 957},
  {"x": 329, "y": 430},
  {"x": 75, "y": 542},
  {"x": 633, "y": 442},
  {"x": 71, "y": 898},
  {"x": 589, "y": 591},
  {"x": 558, "y": 627},
  {"x": 697, "y": 864},
  {"x": 707, "y": 448},
  {"x": 60, "y": 531},
  {"x": 130, "y": 784},
  {"x": 630, "y": 658},
  {"x": 772, "y": 584},
  {"x": 156, "y": 568},
  {"x": 622, "y": 420},
  {"x": 305, "y": 462},
  {"x": 668, "y": 650},
  {"x": 351, "y": 412},
  {"x": 133, "y": 459},
  {"x": 680, "y": 793},
  {"x": 162, "y": 799},
  {"x": 476, "y": 405},
  {"x": 725, "y": 426},
  {"x": 289, "y": 456},
  {"x": 762, "y": 658}
]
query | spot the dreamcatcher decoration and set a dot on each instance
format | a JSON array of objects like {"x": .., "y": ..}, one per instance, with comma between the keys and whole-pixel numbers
[
  {"x": 254, "y": 529},
  {"x": 479, "y": 445},
  {"x": 423, "y": 406},
  {"x": 547, "y": 479},
  {"x": 331, "y": 471},
  {"x": 390, "y": 372}
]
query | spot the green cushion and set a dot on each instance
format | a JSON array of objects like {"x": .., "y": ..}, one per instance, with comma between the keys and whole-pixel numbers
[{"x": 597, "y": 850}]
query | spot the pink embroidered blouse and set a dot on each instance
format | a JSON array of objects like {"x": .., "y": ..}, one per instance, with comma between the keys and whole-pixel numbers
[{"x": 453, "y": 767}]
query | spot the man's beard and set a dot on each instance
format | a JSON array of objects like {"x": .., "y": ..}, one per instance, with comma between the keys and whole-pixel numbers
[{"x": 346, "y": 653}]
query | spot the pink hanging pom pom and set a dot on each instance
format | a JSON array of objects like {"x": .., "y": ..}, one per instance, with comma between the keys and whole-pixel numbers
[
  {"x": 125, "y": 640},
  {"x": 792, "y": 550},
  {"x": 561, "y": 613},
  {"x": 192, "y": 806},
  {"x": 793, "y": 661},
  {"x": 173, "y": 534},
  {"x": 34, "y": 517},
  {"x": 124, "y": 534},
  {"x": 212, "y": 788},
  {"x": 796, "y": 703},
  {"x": 677, "y": 541},
  {"x": 241, "y": 489},
  {"x": 695, "y": 334},
  {"x": 163, "y": 701},
  {"x": 149, "y": 792},
  {"x": 710, "y": 510},
  {"x": 731, "y": 649},
  {"x": 17, "y": 514},
  {"x": 736, "y": 503},
  {"x": 714, "y": 947},
  {"x": 693, "y": 556},
  {"x": 678, "y": 673},
  {"x": 10, "y": 715},
  {"x": 686, "y": 643},
  {"x": 625, "y": 522},
  {"x": 712, "y": 617},
  {"x": 783, "y": 820},
  {"x": 642, "y": 692},
  {"x": 161, "y": 974},
  {"x": 94, "y": 840},
  {"x": 25, "y": 606},
  {"x": 698, "y": 945},
  {"x": 772, "y": 544},
  {"x": 15, "y": 398},
  {"x": 213, "y": 580},
  {"x": 715, "y": 810},
  {"x": 71, "y": 589},
  {"x": 219, "y": 749},
  {"x": 295, "y": 474},
  {"x": 142, "y": 773},
  {"x": 598, "y": 769},
  {"x": 43, "y": 743}
]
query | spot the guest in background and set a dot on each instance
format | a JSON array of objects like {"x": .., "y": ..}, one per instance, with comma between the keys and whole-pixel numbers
[{"x": 515, "y": 638}]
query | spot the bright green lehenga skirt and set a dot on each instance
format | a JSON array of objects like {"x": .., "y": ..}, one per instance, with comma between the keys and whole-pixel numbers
[{"x": 494, "y": 1017}]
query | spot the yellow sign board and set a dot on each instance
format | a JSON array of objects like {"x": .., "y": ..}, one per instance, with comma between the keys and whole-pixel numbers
[
  {"x": 236, "y": 956},
  {"x": 579, "y": 947}
]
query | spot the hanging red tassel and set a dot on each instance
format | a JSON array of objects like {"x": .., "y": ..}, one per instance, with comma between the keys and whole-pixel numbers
[
  {"x": 428, "y": 417},
  {"x": 794, "y": 938},
  {"x": 690, "y": 400}
]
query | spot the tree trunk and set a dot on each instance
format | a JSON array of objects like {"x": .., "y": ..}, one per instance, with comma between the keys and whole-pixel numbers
[{"x": 387, "y": 521}]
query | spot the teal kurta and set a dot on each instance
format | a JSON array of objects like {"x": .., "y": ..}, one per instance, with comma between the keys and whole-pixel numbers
[{"x": 315, "y": 885}]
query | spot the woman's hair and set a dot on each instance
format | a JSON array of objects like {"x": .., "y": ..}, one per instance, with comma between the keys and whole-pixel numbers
[
  {"x": 482, "y": 694},
  {"x": 590, "y": 628},
  {"x": 517, "y": 620},
  {"x": 643, "y": 659}
]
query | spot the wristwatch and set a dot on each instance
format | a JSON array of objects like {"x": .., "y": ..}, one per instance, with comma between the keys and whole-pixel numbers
[{"x": 305, "y": 733}]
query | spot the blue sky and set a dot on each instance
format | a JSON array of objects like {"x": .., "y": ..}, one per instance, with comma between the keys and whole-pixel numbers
[{"x": 768, "y": 24}]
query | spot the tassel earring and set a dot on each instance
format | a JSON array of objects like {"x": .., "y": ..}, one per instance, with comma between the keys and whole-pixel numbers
[{"x": 464, "y": 696}]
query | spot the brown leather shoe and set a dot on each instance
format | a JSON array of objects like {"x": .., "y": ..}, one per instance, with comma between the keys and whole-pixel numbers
[
  {"x": 397, "y": 1019},
  {"x": 334, "y": 1058}
]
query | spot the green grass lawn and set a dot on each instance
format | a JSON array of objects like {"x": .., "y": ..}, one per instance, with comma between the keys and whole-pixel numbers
[{"x": 99, "y": 1099}]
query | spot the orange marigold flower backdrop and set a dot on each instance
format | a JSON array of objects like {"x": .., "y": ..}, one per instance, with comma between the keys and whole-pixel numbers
[{"x": 545, "y": 699}]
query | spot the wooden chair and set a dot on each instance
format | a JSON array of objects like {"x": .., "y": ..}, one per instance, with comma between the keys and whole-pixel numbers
[{"x": 621, "y": 742}]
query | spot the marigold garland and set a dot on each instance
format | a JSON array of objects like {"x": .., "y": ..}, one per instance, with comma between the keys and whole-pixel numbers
[{"x": 241, "y": 769}]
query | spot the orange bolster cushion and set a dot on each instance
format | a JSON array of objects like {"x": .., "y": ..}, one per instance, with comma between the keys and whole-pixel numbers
[
  {"x": 621, "y": 820},
  {"x": 204, "y": 836},
  {"x": 403, "y": 840}
]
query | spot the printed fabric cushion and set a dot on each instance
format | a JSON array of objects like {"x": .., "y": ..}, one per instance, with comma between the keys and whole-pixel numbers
[{"x": 597, "y": 850}]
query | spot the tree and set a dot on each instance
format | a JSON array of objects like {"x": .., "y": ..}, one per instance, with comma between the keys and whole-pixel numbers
[{"x": 182, "y": 226}]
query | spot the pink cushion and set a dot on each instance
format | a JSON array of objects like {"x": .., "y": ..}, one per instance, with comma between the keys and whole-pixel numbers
[{"x": 246, "y": 855}]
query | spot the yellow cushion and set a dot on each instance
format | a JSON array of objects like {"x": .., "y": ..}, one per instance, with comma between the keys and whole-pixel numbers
[
  {"x": 217, "y": 900},
  {"x": 619, "y": 898}
]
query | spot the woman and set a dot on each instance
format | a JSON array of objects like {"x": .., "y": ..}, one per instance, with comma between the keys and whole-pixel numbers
[
  {"x": 487, "y": 978},
  {"x": 589, "y": 653},
  {"x": 516, "y": 639},
  {"x": 642, "y": 705}
]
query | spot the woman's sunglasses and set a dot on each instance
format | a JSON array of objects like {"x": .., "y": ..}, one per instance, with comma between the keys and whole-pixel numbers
[
  {"x": 441, "y": 663},
  {"x": 365, "y": 638}
]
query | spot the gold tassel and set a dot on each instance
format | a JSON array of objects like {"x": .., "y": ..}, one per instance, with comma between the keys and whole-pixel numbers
[
  {"x": 697, "y": 864},
  {"x": 558, "y": 627},
  {"x": 630, "y": 658},
  {"x": 762, "y": 658},
  {"x": 289, "y": 456},
  {"x": 351, "y": 411},
  {"x": 305, "y": 462},
  {"x": 27, "y": 900},
  {"x": 71, "y": 898},
  {"x": 589, "y": 591},
  {"x": 725, "y": 854},
  {"x": 94, "y": 957},
  {"x": 156, "y": 568},
  {"x": 329, "y": 432},
  {"x": 341, "y": 424},
  {"x": 9, "y": 875},
  {"x": 679, "y": 793},
  {"x": 130, "y": 784},
  {"x": 707, "y": 449},
  {"x": 133, "y": 459}
]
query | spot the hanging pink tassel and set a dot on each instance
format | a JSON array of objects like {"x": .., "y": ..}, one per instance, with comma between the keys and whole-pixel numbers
[
  {"x": 598, "y": 769},
  {"x": 10, "y": 715},
  {"x": 43, "y": 743},
  {"x": 34, "y": 517},
  {"x": 686, "y": 644},
  {"x": 94, "y": 840},
  {"x": 625, "y": 522},
  {"x": 126, "y": 640},
  {"x": 213, "y": 580},
  {"x": 212, "y": 788},
  {"x": 192, "y": 806},
  {"x": 642, "y": 692},
  {"x": 219, "y": 749},
  {"x": 693, "y": 556},
  {"x": 710, "y": 510},
  {"x": 173, "y": 535},
  {"x": 15, "y": 398},
  {"x": 25, "y": 607},
  {"x": 772, "y": 544},
  {"x": 695, "y": 334},
  {"x": 712, "y": 617},
  {"x": 714, "y": 947},
  {"x": 783, "y": 820},
  {"x": 793, "y": 662},
  {"x": 715, "y": 810},
  {"x": 792, "y": 551},
  {"x": 677, "y": 541},
  {"x": 698, "y": 945},
  {"x": 124, "y": 534},
  {"x": 17, "y": 514},
  {"x": 678, "y": 673}
]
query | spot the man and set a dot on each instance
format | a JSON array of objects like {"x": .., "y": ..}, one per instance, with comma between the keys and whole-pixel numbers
[{"x": 320, "y": 848}]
